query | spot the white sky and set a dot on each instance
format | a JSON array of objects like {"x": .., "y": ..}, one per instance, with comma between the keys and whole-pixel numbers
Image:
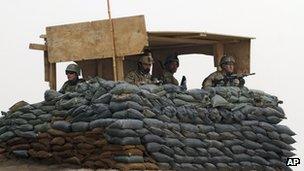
[{"x": 277, "y": 51}]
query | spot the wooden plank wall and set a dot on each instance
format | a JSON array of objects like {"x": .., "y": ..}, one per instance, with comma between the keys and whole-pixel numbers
[
  {"x": 241, "y": 52},
  {"x": 92, "y": 40}
]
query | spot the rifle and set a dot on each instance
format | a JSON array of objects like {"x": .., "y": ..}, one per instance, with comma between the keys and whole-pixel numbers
[{"x": 228, "y": 79}]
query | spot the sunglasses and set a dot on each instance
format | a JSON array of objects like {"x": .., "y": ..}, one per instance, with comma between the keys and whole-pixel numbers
[{"x": 70, "y": 72}]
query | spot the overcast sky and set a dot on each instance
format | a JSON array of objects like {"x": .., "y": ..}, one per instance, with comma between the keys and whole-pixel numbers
[{"x": 276, "y": 55}]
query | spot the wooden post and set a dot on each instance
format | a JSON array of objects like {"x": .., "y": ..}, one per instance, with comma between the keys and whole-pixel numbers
[
  {"x": 113, "y": 40},
  {"x": 218, "y": 53},
  {"x": 46, "y": 63},
  {"x": 120, "y": 68},
  {"x": 53, "y": 81}
]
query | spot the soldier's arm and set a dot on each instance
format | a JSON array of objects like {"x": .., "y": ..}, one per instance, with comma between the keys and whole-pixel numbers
[
  {"x": 130, "y": 78},
  {"x": 62, "y": 89}
]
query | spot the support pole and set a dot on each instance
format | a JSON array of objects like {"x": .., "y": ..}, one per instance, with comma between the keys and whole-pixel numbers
[{"x": 113, "y": 38}]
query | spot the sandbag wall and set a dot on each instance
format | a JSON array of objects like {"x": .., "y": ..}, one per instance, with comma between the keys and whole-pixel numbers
[{"x": 109, "y": 124}]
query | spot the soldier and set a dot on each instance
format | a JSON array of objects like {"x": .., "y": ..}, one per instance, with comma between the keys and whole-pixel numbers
[
  {"x": 72, "y": 71},
  {"x": 142, "y": 74},
  {"x": 170, "y": 66},
  {"x": 219, "y": 78}
]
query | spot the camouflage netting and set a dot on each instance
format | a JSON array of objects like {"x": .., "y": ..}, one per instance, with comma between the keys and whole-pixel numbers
[{"x": 108, "y": 124}]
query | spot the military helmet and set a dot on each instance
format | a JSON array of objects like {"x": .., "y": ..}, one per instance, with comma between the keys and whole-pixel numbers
[
  {"x": 73, "y": 68},
  {"x": 146, "y": 59},
  {"x": 227, "y": 60},
  {"x": 171, "y": 58}
]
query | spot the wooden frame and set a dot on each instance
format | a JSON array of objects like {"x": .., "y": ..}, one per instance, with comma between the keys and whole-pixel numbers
[{"x": 90, "y": 46}]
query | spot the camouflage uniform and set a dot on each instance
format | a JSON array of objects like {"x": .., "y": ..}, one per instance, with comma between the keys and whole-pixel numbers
[
  {"x": 69, "y": 86},
  {"x": 168, "y": 78},
  {"x": 217, "y": 79},
  {"x": 138, "y": 78}
]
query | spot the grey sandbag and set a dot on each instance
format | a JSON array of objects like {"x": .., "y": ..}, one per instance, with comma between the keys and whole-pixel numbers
[
  {"x": 171, "y": 88},
  {"x": 190, "y": 151},
  {"x": 219, "y": 101},
  {"x": 284, "y": 129},
  {"x": 173, "y": 126},
  {"x": 121, "y": 132},
  {"x": 262, "y": 138},
  {"x": 67, "y": 104},
  {"x": 152, "y": 88},
  {"x": 101, "y": 123},
  {"x": 125, "y": 88},
  {"x": 25, "y": 127},
  {"x": 169, "y": 111},
  {"x": 128, "y": 114},
  {"x": 238, "y": 149},
  {"x": 153, "y": 138},
  {"x": 259, "y": 160},
  {"x": 200, "y": 160},
  {"x": 219, "y": 159},
  {"x": 185, "y": 97},
  {"x": 282, "y": 145},
  {"x": 149, "y": 122},
  {"x": 179, "y": 151},
  {"x": 166, "y": 150},
  {"x": 258, "y": 129},
  {"x": 271, "y": 147},
  {"x": 192, "y": 142},
  {"x": 21, "y": 153},
  {"x": 251, "y": 145},
  {"x": 273, "y": 135},
  {"x": 249, "y": 122},
  {"x": 183, "y": 159},
  {"x": 51, "y": 95},
  {"x": 173, "y": 142},
  {"x": 148, "y": 113},
  {"x": 26, "y": 134},
  {"x": 189, "y": 127},
  {"x": 162, "y": 157},
  {"x": 250, "y": 135},
  {"x": 157, "y": 131},
  {"x": 129, "y": 159},
  {"x": 241, "y": 157},
  {"x": 267, "y": 126},
  {"x": 80, "y": 126},
  {"x": 127, "y": 124},
  {"x": 142, "y": 132},
  {"x": 287, "y": 139},
  {"x": 19, "y": 121},
  {"x": 215, "y": 152},
  {"x": 229, "y": 143},
  {"x": 28, "y": 116},
  {"x": 206, "y": 128},
  {"x": 42, "y": 127},
  {"x": 153, "y": 147},
  {"x": 3, "y": 129},
  {"x": 6, "y": 136},
  {"x": 224, "y": 128},
  {"x": 118, "y": 106},
  {"x": 45, "y": 117},
  {"x": 123, "y": 141},
  {"x": 274, "y": 119},
  {"x": 62, "y": 125},
  {"x": 105, "y": 99},
  {"x": 199, "y": 94}
]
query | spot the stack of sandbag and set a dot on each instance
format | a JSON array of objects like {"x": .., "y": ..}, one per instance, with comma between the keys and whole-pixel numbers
[{"x": 106, "y": 124}]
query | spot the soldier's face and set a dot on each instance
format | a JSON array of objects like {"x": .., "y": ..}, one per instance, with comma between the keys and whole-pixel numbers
[
  {"x": 229, "y": 68},
  {"x": 172, "y": 67},
  {"x": 146, "y": 67},
  {"x": 71, "y": 76}
]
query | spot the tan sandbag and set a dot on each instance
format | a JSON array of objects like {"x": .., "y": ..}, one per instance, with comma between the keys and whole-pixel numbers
[
  {"x": 130, "y": 166},
  {"x": 16, "y": 140},
  {"x": 21, "y": 147},
  {"x": 151, "y": 166},
  {"x": 73, "y": 160},
  {"x": 18, "y": 105},
  {"x": 57, "y": 141}
]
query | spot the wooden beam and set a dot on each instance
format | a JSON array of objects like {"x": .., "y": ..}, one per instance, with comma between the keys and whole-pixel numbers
[
  {"x": 35, "y": 46},
  {"x": 120, "y": 68},
  {"x": 43, "y": 36},
  {"x": 46, "y": 66},
  {"x": 53, "y": 81},
  {"x": 181, "y": 40},
  {"x": 218, "y": 53}
]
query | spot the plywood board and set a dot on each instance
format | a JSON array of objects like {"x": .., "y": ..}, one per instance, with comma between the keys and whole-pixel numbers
[
  {"x": 92, "y": 40},
  {"x": 241, "y": 52}
]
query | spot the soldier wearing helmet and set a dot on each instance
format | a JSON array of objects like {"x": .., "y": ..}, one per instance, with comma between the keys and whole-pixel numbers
[
  {"x": 73, "y": 72},
  {"x": 170, "y": 66},
  {"x": 142, "y": 74},
  {"x": 218, "y": 77}
]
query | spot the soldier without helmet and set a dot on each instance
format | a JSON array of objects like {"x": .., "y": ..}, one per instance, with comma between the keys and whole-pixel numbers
[{"x": 73, "y": 72}]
